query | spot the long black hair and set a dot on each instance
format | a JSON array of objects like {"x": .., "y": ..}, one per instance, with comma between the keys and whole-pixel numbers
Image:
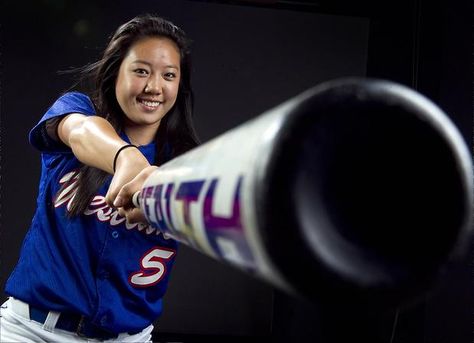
[{"x": 176, "y": 133}]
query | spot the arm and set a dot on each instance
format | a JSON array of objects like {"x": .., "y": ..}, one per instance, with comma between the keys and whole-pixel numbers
[{"x": 95, "y": 142}]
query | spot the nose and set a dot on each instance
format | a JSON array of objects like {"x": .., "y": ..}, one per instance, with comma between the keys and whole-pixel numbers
[{"x": 153, "y": 85}]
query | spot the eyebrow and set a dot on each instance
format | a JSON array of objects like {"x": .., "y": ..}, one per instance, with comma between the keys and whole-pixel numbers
[{"x": 149, "y": 64}]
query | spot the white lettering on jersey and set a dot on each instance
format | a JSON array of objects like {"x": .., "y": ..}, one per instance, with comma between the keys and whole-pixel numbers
[
  {"x": 153, "y": 265},
  {"x": 68, "y": 189},
  {"x": 98, "y": 206}
]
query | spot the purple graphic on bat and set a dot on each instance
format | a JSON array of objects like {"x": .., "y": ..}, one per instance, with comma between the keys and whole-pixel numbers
[
  {"x": 224, "y": 234},
  {"x": 189, "y": 192}
]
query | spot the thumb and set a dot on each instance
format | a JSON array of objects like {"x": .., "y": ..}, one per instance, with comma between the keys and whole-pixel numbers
[
  {"x": 123, "y": 197},
  {"x": 110, "y": 197}
]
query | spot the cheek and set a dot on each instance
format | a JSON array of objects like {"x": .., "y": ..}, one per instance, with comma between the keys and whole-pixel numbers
[
  {"x": 118, "y": 94},
  {"x": 173, "y": 92},
  {"x": 123, "y": 92},
  {"x": 127, "y": 86},
  {"x": 120, "y": 87}
]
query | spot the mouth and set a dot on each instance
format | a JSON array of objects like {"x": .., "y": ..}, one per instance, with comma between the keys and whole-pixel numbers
[{"x": 148, "y": 104}]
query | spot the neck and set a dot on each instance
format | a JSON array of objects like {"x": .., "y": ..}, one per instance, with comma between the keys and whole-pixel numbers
[{"x": 140, "y": 135}]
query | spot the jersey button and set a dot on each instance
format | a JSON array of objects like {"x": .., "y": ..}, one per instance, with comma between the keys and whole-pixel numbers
[{"x": 115, "y": 234}]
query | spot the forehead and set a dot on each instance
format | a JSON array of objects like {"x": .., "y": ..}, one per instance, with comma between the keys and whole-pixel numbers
[{"x": 154, "y": 49}]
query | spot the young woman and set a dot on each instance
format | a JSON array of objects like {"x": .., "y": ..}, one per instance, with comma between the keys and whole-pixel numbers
[{"x": 89, "y": 269}]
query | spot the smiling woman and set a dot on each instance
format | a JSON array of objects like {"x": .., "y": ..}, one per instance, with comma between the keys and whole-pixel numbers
[
  {"x": 147, "y": 86},
  {"x": 89, "y": 269}
]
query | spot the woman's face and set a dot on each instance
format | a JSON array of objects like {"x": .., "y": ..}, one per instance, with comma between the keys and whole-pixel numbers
[{"x": 148, "y": 82}]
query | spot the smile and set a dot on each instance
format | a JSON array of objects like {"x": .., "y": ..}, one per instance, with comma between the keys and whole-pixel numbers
[{"x": 149, "y": 103}]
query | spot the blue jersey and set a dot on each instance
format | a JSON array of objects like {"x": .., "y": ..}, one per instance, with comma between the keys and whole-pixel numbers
[{"x": 94, "y": 264}]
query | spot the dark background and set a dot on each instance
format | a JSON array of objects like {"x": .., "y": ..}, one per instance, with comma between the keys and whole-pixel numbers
[{"x": 248, "y": 57}]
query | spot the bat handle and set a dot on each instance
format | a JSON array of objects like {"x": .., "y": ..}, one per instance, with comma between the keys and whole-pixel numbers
[{"x": 136, "y": 199}]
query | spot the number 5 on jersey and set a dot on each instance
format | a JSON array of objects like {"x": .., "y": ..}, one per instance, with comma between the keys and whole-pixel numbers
[{"x": 153, "y": 265}]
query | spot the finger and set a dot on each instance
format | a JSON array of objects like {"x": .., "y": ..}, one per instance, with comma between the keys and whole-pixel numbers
[
  {"x": 112, "y": 193},
  {"x": 135, "y": 216},
  {"x": 110, "y": 198},
  {"x": 124, "y": 196},
  {"x": 122, "y": 212}
]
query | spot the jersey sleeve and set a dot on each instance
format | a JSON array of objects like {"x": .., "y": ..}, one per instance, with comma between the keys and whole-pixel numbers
[{"x": 72, "y": 102}]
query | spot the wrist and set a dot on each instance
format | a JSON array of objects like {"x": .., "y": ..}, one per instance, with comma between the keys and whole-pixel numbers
[
  {"x": 117, "y": 154},
  {"x": 129, "y": 154}
]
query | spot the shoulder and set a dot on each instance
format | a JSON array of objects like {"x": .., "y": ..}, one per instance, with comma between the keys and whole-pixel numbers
[{"x": 70, "y": 102}]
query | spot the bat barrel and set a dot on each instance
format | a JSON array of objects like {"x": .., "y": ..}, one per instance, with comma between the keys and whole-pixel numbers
[
  {"x": 355, "y": 190},
  {"x": 374, "y": 193}
]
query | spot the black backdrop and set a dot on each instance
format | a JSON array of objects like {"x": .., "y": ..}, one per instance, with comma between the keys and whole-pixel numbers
[{"x": 248, "y": 57}]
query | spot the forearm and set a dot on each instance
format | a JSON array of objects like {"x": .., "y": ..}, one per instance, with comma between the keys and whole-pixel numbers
[{"x": 95, "y": 142}]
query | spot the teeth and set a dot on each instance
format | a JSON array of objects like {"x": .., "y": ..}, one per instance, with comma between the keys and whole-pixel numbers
[{"x": 151, "y": 103}]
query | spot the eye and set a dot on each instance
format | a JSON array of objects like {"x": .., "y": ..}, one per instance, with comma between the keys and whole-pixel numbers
[
  {"x": 141, "y": 72},
  {"x": 170, "y": 76}
]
